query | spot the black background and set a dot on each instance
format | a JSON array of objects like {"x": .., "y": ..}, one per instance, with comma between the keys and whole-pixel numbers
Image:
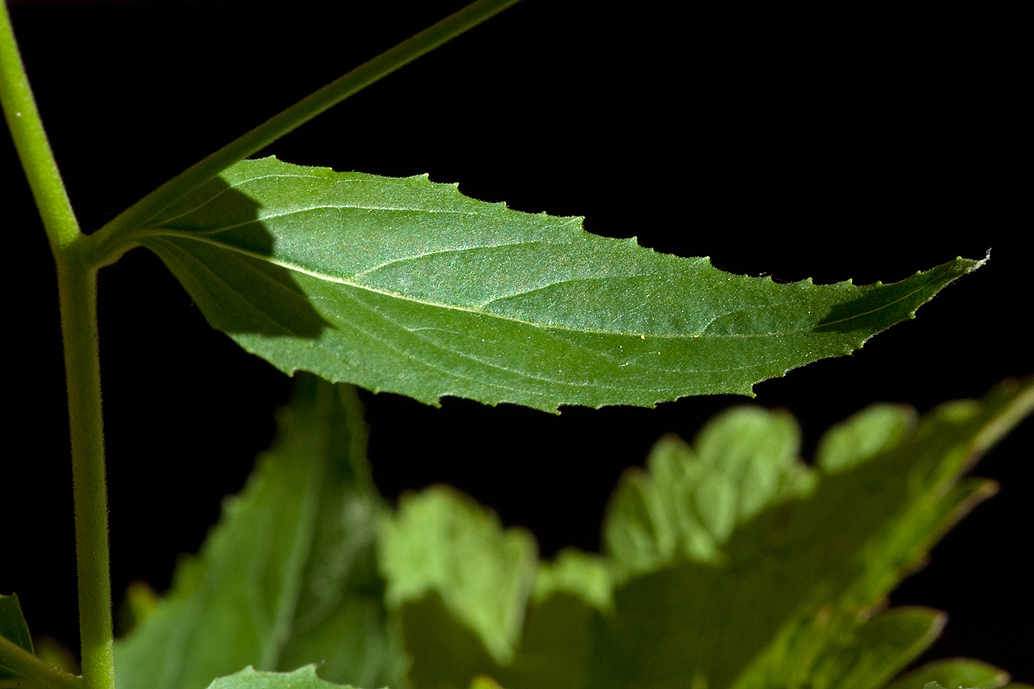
[{"x": 843, "y": 142}]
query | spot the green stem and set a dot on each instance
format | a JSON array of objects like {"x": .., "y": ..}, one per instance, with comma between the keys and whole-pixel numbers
[
  {"x": 77, "y": 291},
  {"x": 77, "y": 288},
  {"x": 40, "y": 673},
  {"x": 110, "y": 239},
  {"x": 30, "y": 140}
]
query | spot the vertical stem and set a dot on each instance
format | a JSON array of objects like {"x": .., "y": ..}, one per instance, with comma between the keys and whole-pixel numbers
[
  {"x": 77, "y": 285},
  {"x": 77, "y": 291}
]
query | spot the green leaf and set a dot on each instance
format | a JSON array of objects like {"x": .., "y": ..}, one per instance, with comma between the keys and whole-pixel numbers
[
  {"x": 840, "y": 650},
  {"x": 828, "y": 550},
  {"x": 444, "y": 552},
  {"x": 249, "y": 678},
  {"x": 688, "y": 505},
  {"x": 482, "y": 682},
  {"x": 730, "y": 563},
  {"x": 13, "y": 628},
  {"x": 958, "y": 672},
  {"x": 461, "y": 585},
  {"x": 289, "y": 576},
  {"x": 19, "y": 667},
  {"x": 13, "y": 625},
  {"x": 407, "y": 286}
]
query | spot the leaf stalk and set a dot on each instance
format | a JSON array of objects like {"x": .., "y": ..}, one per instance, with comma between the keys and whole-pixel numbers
[
  {"x": 110, "y": 240},
  {"x": 34, "y": 670}
]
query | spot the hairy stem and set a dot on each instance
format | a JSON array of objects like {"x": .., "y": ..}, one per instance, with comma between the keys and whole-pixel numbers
[
  {"x": 77, "y": 284},
  {"x": 31, "y": 142},
  {"x": 77, "y": 290},
  {"x": 110, "y": 239}
]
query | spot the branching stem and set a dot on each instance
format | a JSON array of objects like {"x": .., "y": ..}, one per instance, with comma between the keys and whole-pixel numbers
[
  {"x": 78, "y": 299},
  {"x": 78, "y": 258}
]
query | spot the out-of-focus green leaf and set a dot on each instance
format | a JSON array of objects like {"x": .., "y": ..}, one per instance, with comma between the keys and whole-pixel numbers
[
  {"x": 460, "y": 582},
  {"x": 834, "y": 548},
  {"x": 407, "y": 286},
  {"x": 467, "y": 593},
  {"x": 249, "y": 678},
  {"x": 13, "y": 628},
  {"x": 957, "y": 672},
  {"x": 19, "y": 666},
  {"x": 289, "y": 576},
  {"x": 688, "y": 505},
  {"x": 52, "y": 652},
  {"x": 838, "y": 650},
  {"x": 140, "y": 603},
  {"x": 730, "y": 563},
  {"x": 12, "y": 623}
]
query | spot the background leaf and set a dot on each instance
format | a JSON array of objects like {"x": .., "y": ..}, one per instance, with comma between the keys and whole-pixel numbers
[
  {"x": 12, "y": 623},
  {"x": 407, "y": 286},
  {"x": 302, "y": 678},
  {"x": 441, "y": 542},
  {"x": 781, "y": 592},
  {"x": 14, "y": 628},
  {"x": 20, "y": 664},
  {"x": 825, "y": 557},
  {"x": 289, "y": 576},
  {"x": 958, "y": 672}
]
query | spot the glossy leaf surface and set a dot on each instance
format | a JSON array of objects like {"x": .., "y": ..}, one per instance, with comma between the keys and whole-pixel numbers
[
  {"x": 407, "y": 286},
  {"x": 288, "y": 577}
]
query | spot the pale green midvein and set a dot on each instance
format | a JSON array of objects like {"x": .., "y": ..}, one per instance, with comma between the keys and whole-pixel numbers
[
  {"x": 434, "y": 365},
  {"x": 351, "y": 281},
  {"x": 163, "y": 233},
  {"x": 304, "y": 534}
]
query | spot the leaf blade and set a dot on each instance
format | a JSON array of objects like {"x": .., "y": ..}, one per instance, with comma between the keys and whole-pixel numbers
[
  {"x": 407, "y": 286},
  {"x": 289, "y": 575},
  {"x": 957, "y": 672},
  {"x": 249, "y": 678},
  {"x": 779, "y": 584}
]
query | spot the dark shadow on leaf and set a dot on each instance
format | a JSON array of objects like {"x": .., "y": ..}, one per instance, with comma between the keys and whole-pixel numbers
[
  {"x": 881, "y": 306},
  {"x": 220, "y": 253},
  {"x": 445, "y": 651}
]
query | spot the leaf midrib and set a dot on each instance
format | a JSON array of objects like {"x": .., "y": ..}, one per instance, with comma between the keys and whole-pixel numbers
[
  {"x": 350, "y": 282},
  {"x": 305, "y": 534}
]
